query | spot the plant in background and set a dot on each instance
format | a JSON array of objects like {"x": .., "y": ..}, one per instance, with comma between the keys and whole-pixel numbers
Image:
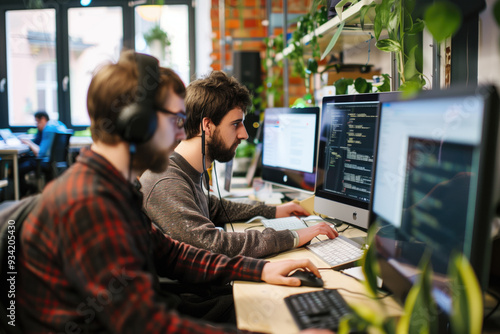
[
  {"x": 442, "y": 19},
  {"x": 273, "y": 83},
  {"x": 307, "y": 24},
  {"x": 361, "y": 85},
  {"x": 156, "y": 33},
  {"x": 420, "y": 309}
]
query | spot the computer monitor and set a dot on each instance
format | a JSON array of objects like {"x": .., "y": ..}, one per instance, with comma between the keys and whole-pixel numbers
[
  {"x": 346, "y": 149},
  {"x": 289, "y": 147},
  {"x": 434, "y": 186}
]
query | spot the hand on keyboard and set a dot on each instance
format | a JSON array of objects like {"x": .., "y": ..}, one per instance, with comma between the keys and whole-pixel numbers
[{"x": 307, "y": 234}]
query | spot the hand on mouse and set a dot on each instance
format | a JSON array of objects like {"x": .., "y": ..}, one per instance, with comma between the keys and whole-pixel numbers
[
  {"x": 306, "y": 234},
  {"x": 277, "y": 272}
]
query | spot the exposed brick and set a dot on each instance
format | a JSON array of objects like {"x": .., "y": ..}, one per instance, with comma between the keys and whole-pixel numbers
[
  {"x": 232, "y": 23},
  {"x": 251, "y": 23}
]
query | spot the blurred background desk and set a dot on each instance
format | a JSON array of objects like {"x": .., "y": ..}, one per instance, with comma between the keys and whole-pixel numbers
[{"x": 13, "y": 153}]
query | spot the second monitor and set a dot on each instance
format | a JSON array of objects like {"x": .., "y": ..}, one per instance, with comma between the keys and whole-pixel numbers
[{"x": 289, "y": 147}]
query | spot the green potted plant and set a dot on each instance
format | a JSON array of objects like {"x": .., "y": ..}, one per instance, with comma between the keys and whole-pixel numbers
[
  {"x": 157, "y": 39},
  {"x": 419, "y": 314}
]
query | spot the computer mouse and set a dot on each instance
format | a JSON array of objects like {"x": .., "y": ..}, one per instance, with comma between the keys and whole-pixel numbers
[{"x": 308, "y": 278}]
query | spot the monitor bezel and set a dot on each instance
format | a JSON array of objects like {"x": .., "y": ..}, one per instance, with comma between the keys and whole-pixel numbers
[
  {"x": 276, "y": 175},
  {"x": 480, "y": 251},
  {"x": 344, "y": 209}
]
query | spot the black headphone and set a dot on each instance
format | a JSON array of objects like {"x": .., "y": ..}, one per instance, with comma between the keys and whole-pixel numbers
[{"x": 137, "y": 121}]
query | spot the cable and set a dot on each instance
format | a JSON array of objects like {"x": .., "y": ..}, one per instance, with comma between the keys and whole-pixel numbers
[
  {"x": 359, "y": 293},
  {"x": 132, "y": 149},
  {"x": 220, "y": 199},
  {"x": 348, "y": 226},
  {"x": 251, "y": 227},
  {"x": 365, "y": 295}
]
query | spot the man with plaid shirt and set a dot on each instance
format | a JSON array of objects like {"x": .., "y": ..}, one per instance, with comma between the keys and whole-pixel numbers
[{"x": 90, "y": 259}]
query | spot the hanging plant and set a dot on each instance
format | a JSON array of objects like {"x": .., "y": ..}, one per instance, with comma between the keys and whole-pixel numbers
[
  {"x": 442, "y": 19},
  {"x": 156, "y": 33}
]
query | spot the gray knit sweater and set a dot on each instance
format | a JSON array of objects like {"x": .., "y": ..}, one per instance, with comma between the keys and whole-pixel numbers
[{"x": 175, "y": 201}]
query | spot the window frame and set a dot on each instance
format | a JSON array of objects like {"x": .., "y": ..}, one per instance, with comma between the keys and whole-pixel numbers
[{"x": 62, "y": 49}]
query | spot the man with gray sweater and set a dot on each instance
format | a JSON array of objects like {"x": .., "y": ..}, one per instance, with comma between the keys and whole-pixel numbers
[{"x": 175, "y": 199}]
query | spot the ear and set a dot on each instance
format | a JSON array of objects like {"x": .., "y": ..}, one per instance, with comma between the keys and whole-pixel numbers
[{"x": 206, "y": 124}]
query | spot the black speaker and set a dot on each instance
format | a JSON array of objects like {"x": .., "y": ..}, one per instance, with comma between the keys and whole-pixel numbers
[
  {"x": 247, "y": 69},
  {"x": 137, "y": 121}
]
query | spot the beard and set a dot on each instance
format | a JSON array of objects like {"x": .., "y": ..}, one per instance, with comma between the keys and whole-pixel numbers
[
  {"x": 149, "y": 157},
  {"x": 217, "y": 150}
]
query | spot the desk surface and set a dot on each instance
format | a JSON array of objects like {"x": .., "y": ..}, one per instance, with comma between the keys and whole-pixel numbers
[{"x": 261, "y": 306}]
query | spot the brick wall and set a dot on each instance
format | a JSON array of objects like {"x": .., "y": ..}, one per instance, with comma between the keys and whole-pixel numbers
[{"x": 245, "y": 31}]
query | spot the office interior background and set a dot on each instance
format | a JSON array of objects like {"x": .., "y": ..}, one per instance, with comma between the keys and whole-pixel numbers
[{"x": 50, "y": 49}]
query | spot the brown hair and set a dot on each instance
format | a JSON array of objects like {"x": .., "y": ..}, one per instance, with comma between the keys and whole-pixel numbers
[
  {"x": 213, "y": 96},
  {"x": 114, "y": 86}
]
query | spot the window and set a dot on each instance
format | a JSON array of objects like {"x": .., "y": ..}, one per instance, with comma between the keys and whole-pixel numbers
[
  {"x": 174, "y": 20},
  {"x": 31, "y": 63},
  {"x": 95, "y": 37},
  {"x": 46, "y": 88},
  {"x": 48, "y": 55}
]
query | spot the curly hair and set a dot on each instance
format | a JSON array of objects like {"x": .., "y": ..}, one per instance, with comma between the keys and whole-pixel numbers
[{"x": 213, "y": 96}]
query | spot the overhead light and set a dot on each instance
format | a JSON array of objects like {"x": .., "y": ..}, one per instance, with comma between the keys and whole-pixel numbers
[
  {"x": 151, "y": 13},
  {"x": 85, "y": 3}
]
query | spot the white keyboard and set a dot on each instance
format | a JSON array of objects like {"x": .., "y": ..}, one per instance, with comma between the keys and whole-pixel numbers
[
  {"x": 285, "y": 223},
  {"x": 338, "y": 251}
]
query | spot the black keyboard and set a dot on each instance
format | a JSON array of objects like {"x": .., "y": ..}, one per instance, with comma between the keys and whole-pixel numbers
[{"x": 318, "y": 309}]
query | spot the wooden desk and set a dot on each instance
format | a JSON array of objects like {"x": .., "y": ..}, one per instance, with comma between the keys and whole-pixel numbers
[
  {"x": 261, "y": 306},
  {"x": 12, "y": 153}
]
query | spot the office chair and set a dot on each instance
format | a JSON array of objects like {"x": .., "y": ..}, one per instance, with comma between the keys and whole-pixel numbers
[{"x": 50, "y": 168}]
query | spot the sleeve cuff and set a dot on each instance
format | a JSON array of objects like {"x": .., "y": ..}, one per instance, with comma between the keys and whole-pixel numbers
[{"x": 295, "y": 239}]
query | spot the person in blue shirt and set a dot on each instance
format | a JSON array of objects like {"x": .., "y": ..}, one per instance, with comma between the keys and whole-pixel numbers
[{"x": 40, "y": 147}]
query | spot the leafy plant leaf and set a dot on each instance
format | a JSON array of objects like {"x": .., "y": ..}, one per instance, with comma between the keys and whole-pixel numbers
[
  {"x": 362, "y": 86},
  {"x": 388, "y": 45},
  {"x": 341, "y": 86},
  {"x": 467, "y": 299},
  {"x": 418, "y": 26},
  {"x": 443, "y": 19},
  {"x": 409, "y": 5},
  {"x": 410, "y": 88},
  {"x": 377, "y": 25},
  {"x": 333, "y": 41},
  {"x": 408, "y": 22},
  {"x": 410, "y": 64},
  {"x": 420, "y": 309},
  {"x": 339, "y": 7},
  {"x": 369, "y": 263},
  {"x": 368, "y": 315},
  {"x": 363, "y": 13},
  {"x": 496, "y": 11},
  {"x": 386, "y": 86}
]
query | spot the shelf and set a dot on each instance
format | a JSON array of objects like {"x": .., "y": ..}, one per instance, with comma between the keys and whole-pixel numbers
[{"x": 351, "y": 36}]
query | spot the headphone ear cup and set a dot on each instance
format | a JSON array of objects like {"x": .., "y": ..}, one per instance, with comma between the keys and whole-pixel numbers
[
  {"x": 136, "y": 125},
  {"x": 137, "y": 121}
]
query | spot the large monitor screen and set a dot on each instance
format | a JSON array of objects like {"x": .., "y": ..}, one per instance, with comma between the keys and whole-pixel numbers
[
  {"x": 346, "y": 150},
  {"x": 289, "y": 147},
  {"x": 434, "y": 186}
]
